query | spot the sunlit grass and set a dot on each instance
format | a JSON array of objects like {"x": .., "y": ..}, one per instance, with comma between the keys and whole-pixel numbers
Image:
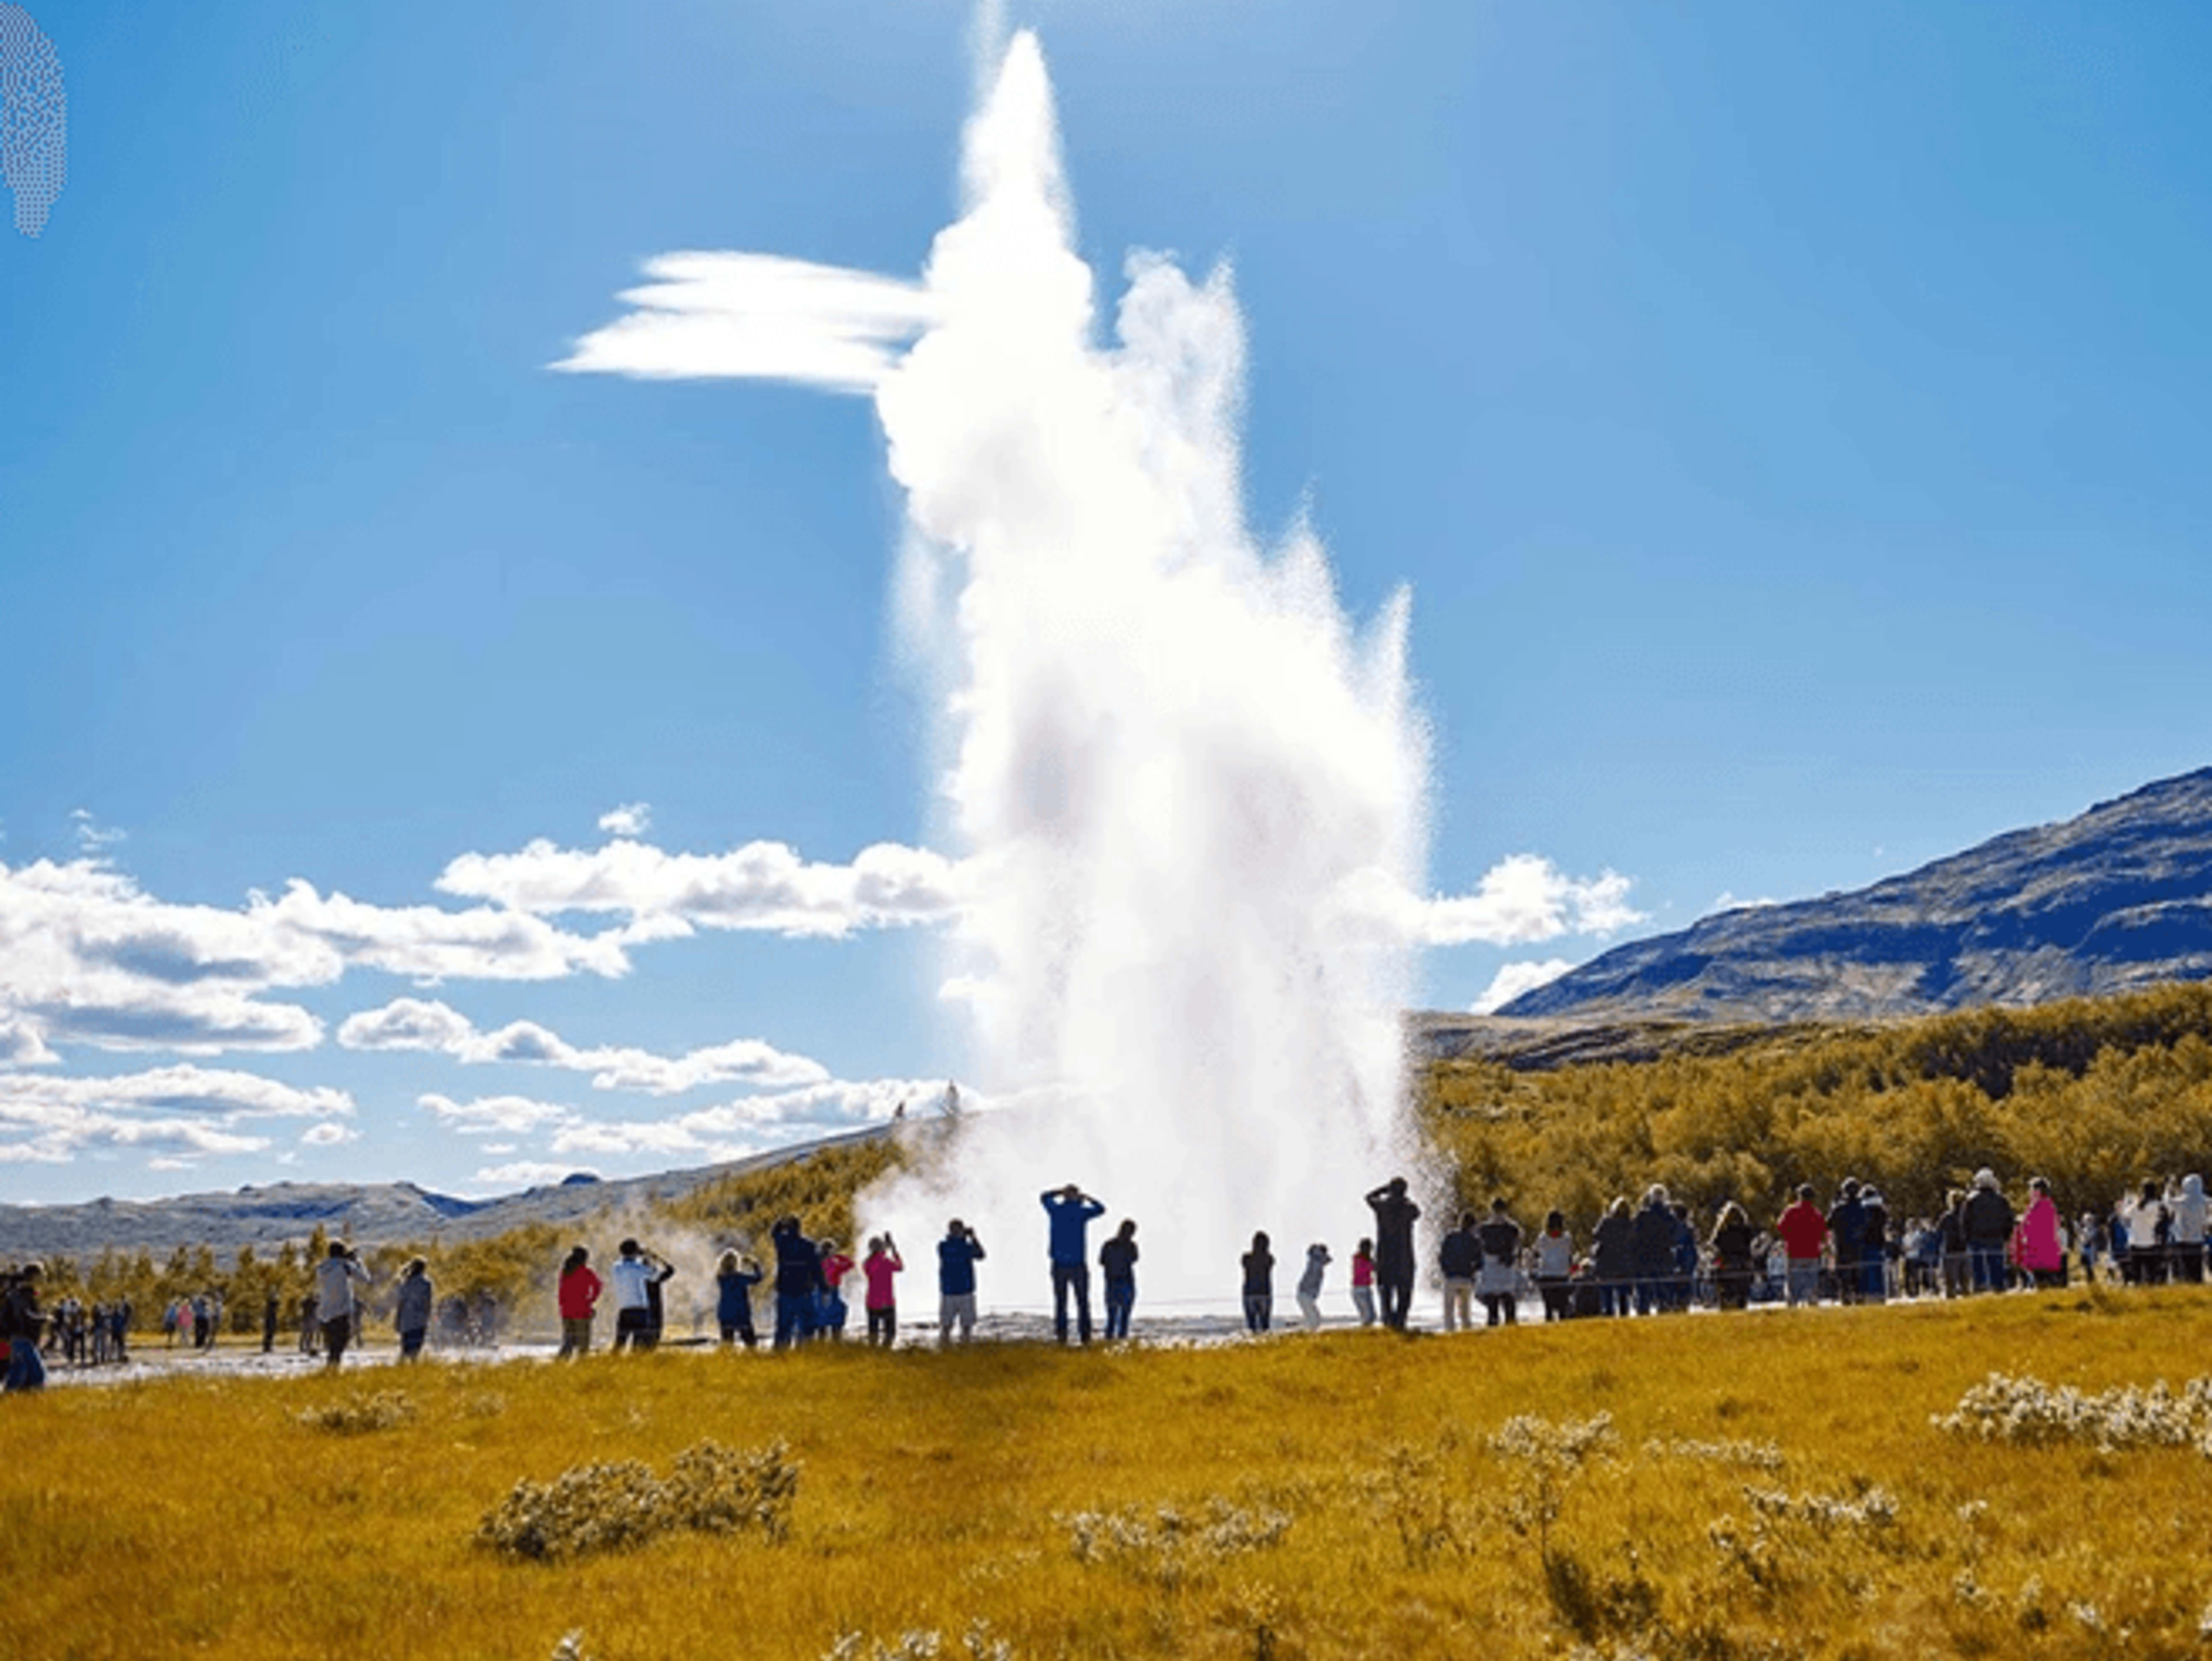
[{"x": 1764, "y": 1484}]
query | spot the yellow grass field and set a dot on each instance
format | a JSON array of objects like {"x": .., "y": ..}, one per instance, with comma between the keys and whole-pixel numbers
[{"x": 1771, "y": 1485}]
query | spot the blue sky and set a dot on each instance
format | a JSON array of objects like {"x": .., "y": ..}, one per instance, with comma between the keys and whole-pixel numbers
[{"x": 1790, "y": 424}]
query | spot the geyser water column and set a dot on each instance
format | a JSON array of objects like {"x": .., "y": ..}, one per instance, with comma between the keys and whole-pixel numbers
[{"x": 1178, "y": 779}]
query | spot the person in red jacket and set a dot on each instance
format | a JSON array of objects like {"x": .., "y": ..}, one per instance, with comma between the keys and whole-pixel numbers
[
  {"x": 579, "y": 1296},
  {"x": 1804, "y": 1231}
]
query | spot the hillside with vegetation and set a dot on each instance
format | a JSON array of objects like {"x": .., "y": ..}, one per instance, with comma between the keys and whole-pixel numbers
[
  {"x": 2116, "y": 899},
  {"x": 2093, "y": 1093}
]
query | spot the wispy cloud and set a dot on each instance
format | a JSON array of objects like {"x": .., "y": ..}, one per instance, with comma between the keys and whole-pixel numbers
[
  {"x": 1513, "y": 979},
  {"x": 525, "y": 1173},
  {"x": 630, "y": 820},
  {"x": 176, "y": 1113},
  {"x": 763, "y": 885},
  {"x": 757, "y": 316},
  {"x": 428, "y": 1025}
]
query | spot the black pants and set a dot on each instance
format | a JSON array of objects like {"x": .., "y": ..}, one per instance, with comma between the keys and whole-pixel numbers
[
  {"x": 1071, "y": 1278},
  {"x": 634, "y": 1327},
  {"x": 883, "y": 1325},
  {"x": 337, "y": 1335},
  {"x": 1396, "y": 1286},
  {"x": 740, "y": 1329}
]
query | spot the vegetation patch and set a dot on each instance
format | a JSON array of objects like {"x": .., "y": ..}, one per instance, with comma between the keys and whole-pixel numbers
[
  {"x": 2026, "y": 1410},
  {"x": 361, "y": 1412},
  {"x": 606, "y": 1507}
]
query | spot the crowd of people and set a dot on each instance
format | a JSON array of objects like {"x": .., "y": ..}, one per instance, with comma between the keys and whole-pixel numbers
[{"x": 1645, "y": 1258}]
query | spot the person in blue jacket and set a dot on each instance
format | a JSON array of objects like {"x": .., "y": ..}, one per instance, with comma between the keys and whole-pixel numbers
[
  {"x": 734, "y": 1280},
  {"x": 957, "y": 1254},
  {"x": 797, "y": 1282},
  {"x": 1070, "y": 1210}
]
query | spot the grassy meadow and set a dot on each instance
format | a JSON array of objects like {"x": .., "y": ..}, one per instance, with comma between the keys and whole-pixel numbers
[{"x": 1765, "y": 1484}]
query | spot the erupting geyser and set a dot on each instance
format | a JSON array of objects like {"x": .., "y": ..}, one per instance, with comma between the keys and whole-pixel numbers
[
  {"x": 1189, "y": 799},
  {"x": 1177, "y": 775}
]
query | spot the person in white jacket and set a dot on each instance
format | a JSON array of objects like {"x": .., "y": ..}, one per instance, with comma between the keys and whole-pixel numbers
[{"x": 2187, "y": 1210}]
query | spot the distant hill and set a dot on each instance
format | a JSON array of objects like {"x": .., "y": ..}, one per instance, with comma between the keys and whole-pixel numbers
[
  {"x": 367, "y": 1214},
  {"x": 2117, "y": 899}
]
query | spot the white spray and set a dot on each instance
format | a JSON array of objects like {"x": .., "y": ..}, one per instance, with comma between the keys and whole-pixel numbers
[{"x": 1179, "y": 779}]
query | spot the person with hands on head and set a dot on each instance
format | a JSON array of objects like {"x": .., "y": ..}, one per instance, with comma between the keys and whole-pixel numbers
[
  {"x": 1069, "y": 1211},
  {"x": 1394, "y": 1216}
]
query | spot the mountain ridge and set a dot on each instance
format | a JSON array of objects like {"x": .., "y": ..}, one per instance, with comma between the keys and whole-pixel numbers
[{"x": 2118, "y": 896}]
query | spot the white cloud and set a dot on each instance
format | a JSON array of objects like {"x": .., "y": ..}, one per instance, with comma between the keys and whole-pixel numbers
[
  {"x": 327, "y": 1135},
  {"x": 174, "y": 1112},
  {"x": 504, "y": 1116},
  {"x": 759, "y": 317},
  {"x": 94, "y": 837},
  {"x": 1521, "y": 900},
  {"x": 87, "y": 957},
  {"x": 428, "y": 1025},
  {"x": 1513, "y": 979},
  {"x": 527, "y": 1173},
  {"x": 1525, "y": 898},
  {"x": 763, "y": 885},
  {"x": 631, "y": 819},
  {"x": 1725, "y": 901}
]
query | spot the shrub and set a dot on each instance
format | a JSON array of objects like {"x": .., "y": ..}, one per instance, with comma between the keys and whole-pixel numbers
[
  {"x": 605, "y": 1507},
  {"x": 2026, "y": 1410},
  {"x": 1168, "y": 1545},
  {"x": 361, "y": 1412}
]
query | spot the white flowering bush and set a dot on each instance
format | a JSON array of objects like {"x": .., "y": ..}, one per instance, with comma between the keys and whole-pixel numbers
[
  {"x": 605, "y": 1507},
  {"x": 360, "y": 1413},
  {"x": 2028, "y": 1412},
  {"x": 1756, "y": 1456},
  {"x": 1167, "y": 1545},
  {"x": 977, "y": 1643}
]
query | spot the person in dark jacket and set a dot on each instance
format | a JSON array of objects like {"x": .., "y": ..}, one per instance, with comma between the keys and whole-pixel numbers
[
  {"x": 1874, "y": 1247},
  {"x": 734, "y": 1280},
  {"x": 1117, "y": 1268},
  {"x": 1613, "y": 1257},
  {"x": 1497, "y": 1281},
  {"x": 1653, "y": 1242},
  {"x": 1394, "y": 1216},
  {"x": 1259, "y": 1264},
  {"x": 1951, "y": 1227},
  {"x": 411, "y": 1315},
  {"x": 1847, "y": 1228},
  {"x": 1732, "y": 1256},
  {"x": 22, "y": 1324},
  {"x": 1988, "y": 1220},
  {"x": 798, "y": 1283},
  {"x": 1459, "y": 1255},
  {"x": 1683, "y": 1284}
]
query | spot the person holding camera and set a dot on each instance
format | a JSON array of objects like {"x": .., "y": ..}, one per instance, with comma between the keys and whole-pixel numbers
[
  {"x": 957, "y": 1254},
  {"x": 637, "y": 1275},
  {"x": 336, "y": 1277}
]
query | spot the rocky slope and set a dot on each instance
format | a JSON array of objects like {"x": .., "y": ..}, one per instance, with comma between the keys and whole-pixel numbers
[{"x": 2118, "y": 898}]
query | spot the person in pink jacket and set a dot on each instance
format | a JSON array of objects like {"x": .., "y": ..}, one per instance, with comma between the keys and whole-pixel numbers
[
  {"x": 2042, "y": 1252},
  {"x": 882, "y": 1262}
]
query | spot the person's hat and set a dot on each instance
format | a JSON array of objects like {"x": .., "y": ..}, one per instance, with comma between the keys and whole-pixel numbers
[{"x": 1985, "y": 1177}]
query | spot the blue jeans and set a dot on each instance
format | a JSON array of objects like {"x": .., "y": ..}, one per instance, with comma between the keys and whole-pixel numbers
[
  {"x": 1121, "y": 1299},
  {"x": 1989, "y": 1264},
  {"x": 25, "y": 1370},
  {"x": 1803, "y": 1281},
  {"x": 1076, "y": 1278},
  {"x": 794, "y": 1318}
]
